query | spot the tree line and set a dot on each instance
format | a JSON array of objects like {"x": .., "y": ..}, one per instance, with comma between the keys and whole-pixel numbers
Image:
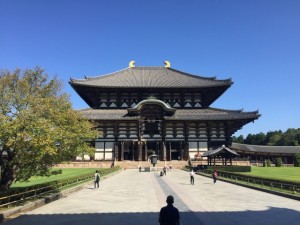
[{"x": 291, "y": 137}]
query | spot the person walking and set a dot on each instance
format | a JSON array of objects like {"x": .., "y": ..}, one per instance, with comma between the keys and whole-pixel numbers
[
  {"x": 192, "y": 179},
  {"x": 215, "y": 175},
  {"x": 97, "y": 179},
  {"x": 169, "y": 215}
]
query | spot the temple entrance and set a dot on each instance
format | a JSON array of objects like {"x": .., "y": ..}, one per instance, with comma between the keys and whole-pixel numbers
[
  {"x": 174, "y": 150},
  {"x": 128, "y": 150},
  {"x": 152, "y": 146}
]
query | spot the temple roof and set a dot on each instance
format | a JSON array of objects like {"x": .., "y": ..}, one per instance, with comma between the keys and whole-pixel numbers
[
  {"x": 266, "y": 148},
  {"x": 151, "y": 102},
  {"x": 223, "y": 150},
  {"x": 157, "y": 77},
  {"x": 180, "y": 114}
]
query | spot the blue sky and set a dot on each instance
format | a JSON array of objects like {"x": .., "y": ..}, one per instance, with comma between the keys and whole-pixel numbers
[{"x": 254, "y": 42}]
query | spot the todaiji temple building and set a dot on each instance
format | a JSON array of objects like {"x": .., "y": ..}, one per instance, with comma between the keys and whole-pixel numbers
[{"x": 140, "y": 110}]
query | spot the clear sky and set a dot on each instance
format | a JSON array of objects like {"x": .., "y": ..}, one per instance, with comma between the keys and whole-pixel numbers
[{"x": 254, "y": 42}]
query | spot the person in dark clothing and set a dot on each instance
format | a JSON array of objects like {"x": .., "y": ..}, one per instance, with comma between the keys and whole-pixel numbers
[
  {"x": 215, "y": 175},
  {"x": 169, "y": 215}
]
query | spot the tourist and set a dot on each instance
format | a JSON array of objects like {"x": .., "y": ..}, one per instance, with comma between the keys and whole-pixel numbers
[
  {"x": 97, "y": 179},
  {"x": 169, "y": 215},
  {"x": 165, "y": 170},
  {"x": 215, "y": 175},
  {"x": 192, "y": 179}
]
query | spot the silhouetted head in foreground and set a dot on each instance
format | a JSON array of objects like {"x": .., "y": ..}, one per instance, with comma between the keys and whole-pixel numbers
[{"x": 170, "y": 199}]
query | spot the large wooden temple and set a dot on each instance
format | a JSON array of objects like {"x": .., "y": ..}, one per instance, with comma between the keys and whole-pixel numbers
[{"x": 141, "y": 110}]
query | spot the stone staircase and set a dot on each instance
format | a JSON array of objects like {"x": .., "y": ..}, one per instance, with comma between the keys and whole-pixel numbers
[
  {"x": 144, "y": 164},
  {"x": 124, "y": 164}
]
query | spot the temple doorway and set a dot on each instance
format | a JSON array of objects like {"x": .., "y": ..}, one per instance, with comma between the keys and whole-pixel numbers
[
  {"x": 174, "y": 150},
  {"x": 152, "y": 146}
]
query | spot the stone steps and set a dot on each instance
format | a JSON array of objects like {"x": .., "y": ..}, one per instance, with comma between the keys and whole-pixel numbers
[{"x": 144, "y": 164}]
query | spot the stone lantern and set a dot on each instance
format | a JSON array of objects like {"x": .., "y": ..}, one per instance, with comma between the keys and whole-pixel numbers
[{"x": 153, "y": 159}]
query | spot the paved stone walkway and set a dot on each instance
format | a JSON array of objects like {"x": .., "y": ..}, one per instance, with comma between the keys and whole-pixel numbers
[{"x": 135, "y": 198}]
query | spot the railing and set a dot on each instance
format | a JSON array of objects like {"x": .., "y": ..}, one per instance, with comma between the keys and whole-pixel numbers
[
  {"x": 259, "y": 182},
  {"x": 23, "y": 196}
]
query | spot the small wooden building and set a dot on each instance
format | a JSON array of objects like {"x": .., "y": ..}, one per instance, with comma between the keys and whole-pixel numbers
[
  {"x": 220, "y": 155},
  {"x": 140, "y": 110},
  {"x": 257, "y": 154}
]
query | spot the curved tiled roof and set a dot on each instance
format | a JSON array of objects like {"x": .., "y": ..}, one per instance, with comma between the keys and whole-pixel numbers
[
  {"x": 150, "y": 77},
  {"x": 180, "y": 114},
  {"x": 265, "y": 148},
  {"x": 151, "y": 101},
  {"x": 222, "y": 149},
  {"x": 213, "y": 114}
]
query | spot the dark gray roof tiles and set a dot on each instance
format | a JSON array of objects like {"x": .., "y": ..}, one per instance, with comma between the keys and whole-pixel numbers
[
  {"x": 180, "y": 114},
  {"x": 151, "y": 101},
  {"x": 266, "y": 149},
  {"x": 219, "y": 150},
  {"x": 150, "y": 77},
  {"x": 213, "y": 114}
]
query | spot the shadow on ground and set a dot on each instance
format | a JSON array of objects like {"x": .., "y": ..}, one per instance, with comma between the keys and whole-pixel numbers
[{"x": 274, "y": 216}]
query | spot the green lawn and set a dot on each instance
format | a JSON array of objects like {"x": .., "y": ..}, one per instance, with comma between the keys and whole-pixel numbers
[
  {"x": 282, "y": 173},
  {"x": 66, "y": 173}
]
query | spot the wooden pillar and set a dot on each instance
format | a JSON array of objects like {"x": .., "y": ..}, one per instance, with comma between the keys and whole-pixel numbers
[
  {"x": 208, "y": 137},
  {"x": 140, "y": 150},
  {"x": 104, "y": 150},
  {"x": 186, "y": 138},
  {"x": 169, "y": 157},
  {"x": 180, "y": 150},
  {"x": 116, "y": 151},
  {"x": 164, "y": 151},
  {"x": 146, "y": 151},
  {"x": 132, "y": 150},
  {"x": 186, "y": 150},
  {"x": 122, "y": 151}
]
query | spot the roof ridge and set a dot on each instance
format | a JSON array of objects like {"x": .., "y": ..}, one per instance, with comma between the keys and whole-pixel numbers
[
  {"x": 107, "y": 74},
  {"x": 214, "y": 78},
  {"x": 234, "y": 110}
]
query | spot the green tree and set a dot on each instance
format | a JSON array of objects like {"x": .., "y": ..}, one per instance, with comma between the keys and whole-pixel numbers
[
  {"x": 38, "y": 127},
  {"x": 256, "y": 139},
  {"x": 276, "y": 139},
  {"x": 239, "y": 139},
  {"x": 290, "y": 137}
]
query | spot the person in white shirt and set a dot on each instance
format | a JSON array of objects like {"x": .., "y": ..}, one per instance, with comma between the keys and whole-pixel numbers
[
  {"x": 192, "y": 179},
  {"x": 97, "y": 179}
]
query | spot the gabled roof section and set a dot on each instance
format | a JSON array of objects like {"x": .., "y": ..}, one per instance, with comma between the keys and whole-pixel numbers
[
  {"x": 157, "y": 77},
  {"x": 223, "y": 150},
  {"x": 150, "y": 102}
]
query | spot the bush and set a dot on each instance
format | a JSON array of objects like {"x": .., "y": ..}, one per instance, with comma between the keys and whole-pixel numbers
[
  {"x": 297, "y": 160},
  {"x": 267, "y": 163},
  {"x": 230, "y": 168},
  {"x": 278, "y": 162}
]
